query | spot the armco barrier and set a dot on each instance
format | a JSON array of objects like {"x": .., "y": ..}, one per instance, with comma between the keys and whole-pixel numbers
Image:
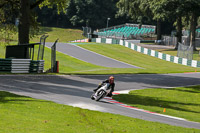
[
  {"x": 36, "y": 66},
  {"x": 5, "y": 65},
  {"x": 21, "y": 66},
  {"x": 170, "y": 58}
]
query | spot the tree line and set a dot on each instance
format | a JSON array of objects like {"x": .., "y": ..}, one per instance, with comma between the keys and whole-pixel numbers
[
  {"x": 91, "y": 13},
  {"x": 182, "y": 13},
  {"x": 165, "y": 14}
]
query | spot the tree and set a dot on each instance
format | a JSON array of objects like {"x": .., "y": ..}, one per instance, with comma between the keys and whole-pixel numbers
[
  {"x": 49, "y": 17},
  {"x": 193, "y": 10},
  {"x": 140, "y": 11},
  {"x": 179, "y": 9},
  {"x": 158, "y": 9},
  {"x": 92, "y": 13},
  {"x": 7, "y": 15},
  {"x": 24, "y": 22},
  {"x": 25, "y": 13},
  {"x": 165, "y": 10}
]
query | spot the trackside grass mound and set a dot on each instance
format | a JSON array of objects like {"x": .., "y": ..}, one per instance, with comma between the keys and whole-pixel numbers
[
  {"x": 70, "y": 65},
  {"x": 64, "y": 35},
  {"x": 21, "y": 114},
  {"x": 181, "y": 102},
  {"x": 148, "y": 63}
]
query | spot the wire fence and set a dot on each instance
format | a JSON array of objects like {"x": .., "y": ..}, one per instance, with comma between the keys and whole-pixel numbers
[
  {"x": 186, "y": 41},
  {"x": 185, "y": 51},
  {"x": 87, "y": 31},
  {"x": 41, "y": 47},
  {"x": 169, "y": 41}
]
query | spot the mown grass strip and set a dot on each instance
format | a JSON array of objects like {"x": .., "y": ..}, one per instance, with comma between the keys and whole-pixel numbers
[
  {"x": 181, "y": 102},
  {"x": 150, "y": 64},
  {"x": 70, "y": 65},
  {"x": 21, "y": 114},
  {"x": 64, "y": 35}
]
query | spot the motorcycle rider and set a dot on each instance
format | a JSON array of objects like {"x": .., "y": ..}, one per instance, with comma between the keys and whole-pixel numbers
[{"x": 112, "y": 85}]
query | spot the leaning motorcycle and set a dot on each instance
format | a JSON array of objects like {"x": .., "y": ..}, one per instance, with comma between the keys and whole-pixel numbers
[{"x": 101, "y": 92}]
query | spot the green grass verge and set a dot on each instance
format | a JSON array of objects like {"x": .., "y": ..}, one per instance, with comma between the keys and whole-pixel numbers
[
  {"x": 67, "y": 64},
  {"x": 21, "y": 114},
  {"x": 70, "y": 65},
  {"x": 64, "y": 35},
  {"x": 150, "y": 64},
  {"x": 2, "y": 50},
  {"x": 181, "y": 102}
]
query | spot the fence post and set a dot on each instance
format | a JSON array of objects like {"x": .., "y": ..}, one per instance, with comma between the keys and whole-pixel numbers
[{"x": 53, "y": 57}]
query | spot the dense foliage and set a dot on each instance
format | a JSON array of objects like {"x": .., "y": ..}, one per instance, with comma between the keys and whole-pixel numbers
[
  {"x": 162, "y": 11},
  {"x": 23, "y": 10},
  {"x": 95, "y": 13},
  {"x": 92, "y": 13}
]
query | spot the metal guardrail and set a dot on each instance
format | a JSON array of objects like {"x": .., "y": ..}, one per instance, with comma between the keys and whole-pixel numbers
[
  {"x": 20, "y": 58},
  {"x": 5, "y": 65},
  {"x": 21, "y": 66},
  {"x": 36, "y": 66}
]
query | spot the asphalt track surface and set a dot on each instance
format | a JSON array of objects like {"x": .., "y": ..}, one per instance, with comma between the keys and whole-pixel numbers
[
  {"x": 75, "y": 90},
  {"x": 89, "y": 56}
]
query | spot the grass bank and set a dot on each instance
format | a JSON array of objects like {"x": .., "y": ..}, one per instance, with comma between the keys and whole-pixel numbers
[
  {"x": 181, "y": 102},
  {"x": 64, "y": 35},
  {"x": 21, "y": 114},
  {"x": 148, "y": 64},
  {"x": 70, "y": 65}
]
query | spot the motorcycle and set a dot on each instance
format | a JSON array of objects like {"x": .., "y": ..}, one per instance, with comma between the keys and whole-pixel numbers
[{"x": 101, "y": 92}]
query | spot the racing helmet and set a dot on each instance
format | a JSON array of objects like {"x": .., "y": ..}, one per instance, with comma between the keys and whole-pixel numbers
[{"x": 111, "y": 79}]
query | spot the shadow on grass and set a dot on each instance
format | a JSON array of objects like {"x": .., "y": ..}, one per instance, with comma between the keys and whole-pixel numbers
[
  {"x": 6, "y": 97},
  {"x": 193, "y": 89},
  {"x": 44, "y": 30},
  {"x": 153, "y": 101}
]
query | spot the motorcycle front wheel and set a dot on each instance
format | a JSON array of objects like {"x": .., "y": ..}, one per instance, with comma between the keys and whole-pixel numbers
[{"x": 100, "y": 95}]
